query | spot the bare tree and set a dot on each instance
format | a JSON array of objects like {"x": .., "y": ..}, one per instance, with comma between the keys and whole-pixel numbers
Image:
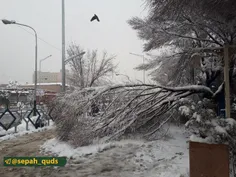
[{"x": 88, "y": 70}]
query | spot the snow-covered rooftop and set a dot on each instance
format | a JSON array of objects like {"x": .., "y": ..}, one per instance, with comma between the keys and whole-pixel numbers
[
  {"x": 52, "y": 83},
  {"x": 13, "y": 91}
]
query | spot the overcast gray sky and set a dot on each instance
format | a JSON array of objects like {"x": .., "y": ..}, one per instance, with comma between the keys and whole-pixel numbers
[{"x": 112, "y": 34}]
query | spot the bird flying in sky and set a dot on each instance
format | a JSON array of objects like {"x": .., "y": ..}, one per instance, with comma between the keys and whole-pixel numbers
[{"x": 95, "y": 17}]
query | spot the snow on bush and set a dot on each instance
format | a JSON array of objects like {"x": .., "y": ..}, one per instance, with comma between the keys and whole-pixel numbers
[
  {"x": 206, "y": 127},
  {"x": 197, "y": 117},
  {"x": 184, "y": 110}
]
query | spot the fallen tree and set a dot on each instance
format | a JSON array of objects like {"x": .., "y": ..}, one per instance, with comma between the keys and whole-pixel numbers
[{"x": 130, "y": 108}]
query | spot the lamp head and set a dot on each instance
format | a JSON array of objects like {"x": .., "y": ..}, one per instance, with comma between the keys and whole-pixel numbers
[{"x": 8, "y": 22}]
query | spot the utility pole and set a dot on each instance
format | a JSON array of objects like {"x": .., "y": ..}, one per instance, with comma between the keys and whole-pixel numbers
[
  {"x": 40, "y": 63},
  {"x": 143, "y": 71},
  {"x": 226, "y": 81},
  {"x": 63, "y": 71}
]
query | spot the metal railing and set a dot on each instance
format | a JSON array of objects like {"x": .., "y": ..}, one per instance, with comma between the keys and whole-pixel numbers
[{"x": 13, "y": 117}]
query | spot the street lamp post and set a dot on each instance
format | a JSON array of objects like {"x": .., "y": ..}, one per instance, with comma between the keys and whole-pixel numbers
[
  {"x": 40, "y": 63},
  {"x": 63, "y": 71},
  {"x": 8, "y": 22},
  {"x": 143, "y": 63},
  {"x": 71, "y": 58}
]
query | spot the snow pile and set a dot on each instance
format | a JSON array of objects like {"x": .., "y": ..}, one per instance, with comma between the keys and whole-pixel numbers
[
  {"x": 21, "y": 130},
  {"x": 60, "y": 148},
  {"x": 184, "y": 110},
  {"x": 195, "y": 138},
  {"x": 230, "y": 122},
  {"x": 197, "y": 117},
  {"x": 164, "y": 158}
]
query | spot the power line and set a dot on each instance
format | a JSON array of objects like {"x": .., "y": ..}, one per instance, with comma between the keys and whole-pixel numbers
[{"x": 40, "y": 39}]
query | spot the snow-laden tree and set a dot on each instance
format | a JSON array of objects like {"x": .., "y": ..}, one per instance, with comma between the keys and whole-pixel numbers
[
  {"x": 183, "y": 26},
  {"x": 88, "y": 70}
]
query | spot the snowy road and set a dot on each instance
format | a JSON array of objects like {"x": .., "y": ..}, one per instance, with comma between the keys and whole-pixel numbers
[
  {"x": 26, "y": 145},
  {"x": 128, "y": 158}
]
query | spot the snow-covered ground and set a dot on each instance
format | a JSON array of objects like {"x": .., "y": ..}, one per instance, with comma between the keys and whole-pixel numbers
[
  {"x": 21, "y": 130},
  {"x": 160, "y": 158},
  {"x": 167, "y": 157}
]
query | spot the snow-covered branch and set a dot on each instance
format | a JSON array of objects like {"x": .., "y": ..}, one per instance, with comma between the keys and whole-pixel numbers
[{"x": 121, "y": 108}]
